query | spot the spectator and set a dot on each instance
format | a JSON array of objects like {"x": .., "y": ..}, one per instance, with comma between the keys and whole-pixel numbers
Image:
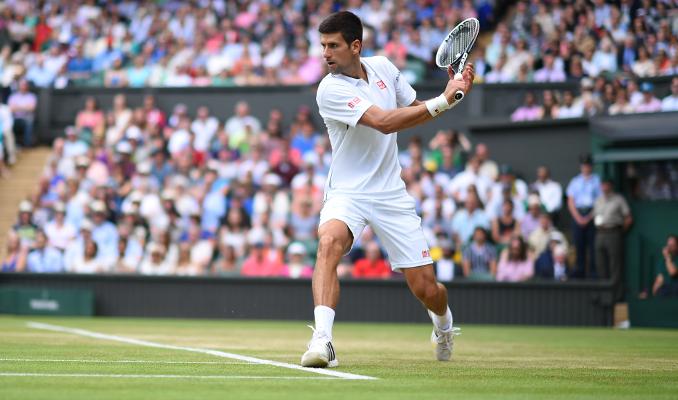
[
  {"x": 550, "y": 191},
  {"x": 569, "y": 109},
  {"x": 104, "y": 234},
  {"x": 488, "y": 167},
  {"x": 23, "y": 105},
  {"x": 14, "y": 259},
  {"x": 59, "y": 232},
  {"x": 204, "y": 127},
  {"x": 460, "y": 184},
  {"x": 479, "y": 258},
  {"x": 155, "y": 261},
  {"x": 540, "y": 238},
  {"x": 79, "y": 66},
  {"x": 44, "y": 258},
  {"x": 643, "y": 67},
  {"x": 552, "y": 264},
  {"x": 263, "y": 261},
  {"x": 242, "y": 124},
  {"x": 516, "y": 264},
  {"x": 437, "y": 211},
  {"x": 130, "y": 253},
  {"x": 373, "y": 265},
  {"x": 649, "y": 103},
  {"x": 227, "y": 263},
  {"x": 304, "y": 222},
  {"x": 25, "y": 228},
  {"x": 89, "y": 263},
  {"x": 7, "y": 140},
  {"x": 529, "y": 111},
  {"x": 666, "y": 281},
  {"x": 621, "y": 104},
  {"x": 185, "y": 265},
  {"x": 505, "y": 226},
  {"x": 73, "y": 146},
  {"x": 91, "y": 117},
  {"x": 549, "y": 72},
  {"x": 296, "y": 266},
  {"x": 530, "y": 220},
  {"x": 467, "y": 220},
  {"x": 582, "y": 192},
  {"x": 612, "y": 217},
  {"x": 670, "y": 102},
  {"x": 445, "y": 267}
]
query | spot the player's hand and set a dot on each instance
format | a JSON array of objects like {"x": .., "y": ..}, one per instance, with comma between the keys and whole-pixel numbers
[{"x": 454, "y": 84}]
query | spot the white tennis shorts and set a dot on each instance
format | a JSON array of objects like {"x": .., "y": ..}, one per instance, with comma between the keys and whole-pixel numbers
[{"x": 393, "y": 220}]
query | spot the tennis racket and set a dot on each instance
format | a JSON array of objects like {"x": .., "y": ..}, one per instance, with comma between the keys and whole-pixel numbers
[{"x": 455, "y": 48}]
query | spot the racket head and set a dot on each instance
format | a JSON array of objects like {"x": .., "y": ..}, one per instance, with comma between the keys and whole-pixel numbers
[{"x": 460, "y": 40}]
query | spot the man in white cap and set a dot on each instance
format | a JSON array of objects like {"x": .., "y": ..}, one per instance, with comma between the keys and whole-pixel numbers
[
  {"x": 73, "y": 146},
  {"x": 297, "y": 265},
  {"x": 25, "y": 228}
]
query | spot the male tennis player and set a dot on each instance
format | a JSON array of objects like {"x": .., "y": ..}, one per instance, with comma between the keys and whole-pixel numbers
[{"x": 364, "y": 102}]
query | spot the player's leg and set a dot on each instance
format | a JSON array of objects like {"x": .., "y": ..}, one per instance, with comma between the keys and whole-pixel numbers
[
  {"x": 433, "y": 295},
  {"x": 335, "y": 239},
  {"x": 399, "y": 228},
  {"x": 341, "y": 221},
  {"x": 422, "y": 283}
]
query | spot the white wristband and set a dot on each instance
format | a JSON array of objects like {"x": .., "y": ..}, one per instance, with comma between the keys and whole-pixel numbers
[{"x": 437, "y": 105}]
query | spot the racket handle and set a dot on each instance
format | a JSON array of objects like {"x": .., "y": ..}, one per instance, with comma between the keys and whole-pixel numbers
[{"x": 458, "y": 95}]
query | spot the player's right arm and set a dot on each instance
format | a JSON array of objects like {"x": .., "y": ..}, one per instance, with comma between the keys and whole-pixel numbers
[{"x": 389, "y": 121}]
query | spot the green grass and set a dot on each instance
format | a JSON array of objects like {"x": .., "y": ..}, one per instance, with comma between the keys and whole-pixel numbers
[{"x": 490, "y": 361}]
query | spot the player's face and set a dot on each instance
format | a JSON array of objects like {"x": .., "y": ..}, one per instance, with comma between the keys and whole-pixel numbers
[{"x": 337, "y": 53}]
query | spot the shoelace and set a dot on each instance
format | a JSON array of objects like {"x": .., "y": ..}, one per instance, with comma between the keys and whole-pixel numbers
[
  {"x": 453, "y": 332},
  {"x": 316, "y": 336}
]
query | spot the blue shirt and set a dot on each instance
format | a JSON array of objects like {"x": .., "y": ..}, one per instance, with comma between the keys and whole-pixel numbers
[
  {"x": 584, "y": 191},
  {"x": 47, "y": 260},
  {"x": 106, "y": 237},
  {"x": 80, "y": 65},
  {"x": 137, "y": 77},
  {"x": 463, "y": 223}
]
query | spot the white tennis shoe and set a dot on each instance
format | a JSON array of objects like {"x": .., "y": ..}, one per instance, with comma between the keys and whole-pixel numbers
[
  {"x": 444, "y": 342},
  {"x": 320, "y": 353}
]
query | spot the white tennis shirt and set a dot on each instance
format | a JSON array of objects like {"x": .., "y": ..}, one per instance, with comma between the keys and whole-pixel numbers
[{"x": 364, "y": 160}]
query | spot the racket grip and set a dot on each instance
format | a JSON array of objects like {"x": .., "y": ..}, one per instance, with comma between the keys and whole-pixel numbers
[{"x": 458, "y": 95}]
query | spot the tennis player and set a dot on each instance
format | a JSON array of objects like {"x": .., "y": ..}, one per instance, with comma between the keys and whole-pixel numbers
[{"x": 364, "y": 102}]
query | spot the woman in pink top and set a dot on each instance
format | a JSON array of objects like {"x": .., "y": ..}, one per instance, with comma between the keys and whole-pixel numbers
[
  {"x": 91, "y": 117},
  {"x": 515, "y": 263}
]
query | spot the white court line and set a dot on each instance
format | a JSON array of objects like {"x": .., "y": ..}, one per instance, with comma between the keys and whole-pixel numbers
[
  {"x": 126, "y": 361},
  {"x": 217, "y": 353},
  {"x": 137, "y": 376}
]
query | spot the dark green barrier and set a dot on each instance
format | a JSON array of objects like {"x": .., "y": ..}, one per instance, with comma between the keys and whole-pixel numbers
[
  {"x": 32, "y": 301},
  {"x": 654, "y": 312}
]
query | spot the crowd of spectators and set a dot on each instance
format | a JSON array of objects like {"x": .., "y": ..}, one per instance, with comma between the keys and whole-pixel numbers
[
  {"x": 208, "y": 42},
  {"x": 559, "y": 41},
  {"x": 598, "y": 97},
  {"x": 274, "y": 42},
  {"x": 141, "y": 191}
]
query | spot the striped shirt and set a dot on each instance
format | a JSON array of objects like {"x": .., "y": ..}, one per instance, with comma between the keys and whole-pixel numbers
[{"x": 480, "y": 257}]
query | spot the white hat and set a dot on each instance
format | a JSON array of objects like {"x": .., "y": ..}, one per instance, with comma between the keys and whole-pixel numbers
[
  {"x": 167, "y": 194},
  {"x": 59, "y": 207},
  {"x": 272, "y": 179},
  {"x": 86, "y": 225},
  {"x": 556, "y": 236},
  {"x": 136, "y": 196},
  {"x": 123, "y": 147},
  {"x": 98, "y": 207},
  {"x": 296, "y": 248},
  {"x": 560, "y": 250},
  {"x": 26, "y": 206},
  {"x": 133, "y": 133},
  {"x": 129, "y": 208},
  {"x": 144, "y": 168}
]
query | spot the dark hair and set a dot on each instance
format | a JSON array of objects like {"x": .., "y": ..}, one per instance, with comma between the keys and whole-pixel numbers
[
  {"x": 522, "y": 252},
  {"x": 344, "y": 22}
]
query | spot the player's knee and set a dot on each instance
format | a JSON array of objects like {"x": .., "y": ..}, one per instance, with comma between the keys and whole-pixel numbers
[
  {"x": 426, "y": 291},
  {"x": 330, "y": 244}
]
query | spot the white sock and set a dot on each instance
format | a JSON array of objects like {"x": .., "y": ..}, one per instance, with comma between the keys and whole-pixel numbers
[
  {"x": 442, "y": 322},
  {"x": 324, "y": 318}
]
